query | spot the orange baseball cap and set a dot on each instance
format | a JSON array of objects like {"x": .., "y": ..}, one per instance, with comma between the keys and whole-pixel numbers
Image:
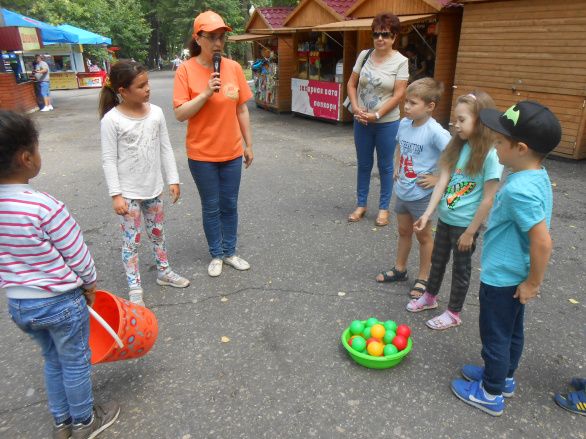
[{"x": 209, "y": 21}]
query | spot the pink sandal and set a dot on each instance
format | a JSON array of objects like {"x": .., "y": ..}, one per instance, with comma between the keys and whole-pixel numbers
[
  {"x": 427, "y": 301},
  {"x": 444, "y": 321}
]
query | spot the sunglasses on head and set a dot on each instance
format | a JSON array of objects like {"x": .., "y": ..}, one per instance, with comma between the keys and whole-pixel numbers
[{"x": 385, "y": 35}]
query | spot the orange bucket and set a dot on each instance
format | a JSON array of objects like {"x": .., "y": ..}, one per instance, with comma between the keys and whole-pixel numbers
[{"x": 136, "y": 326}]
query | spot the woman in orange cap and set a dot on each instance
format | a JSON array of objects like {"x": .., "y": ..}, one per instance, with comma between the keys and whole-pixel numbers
[{"x": 214, "y": 104}]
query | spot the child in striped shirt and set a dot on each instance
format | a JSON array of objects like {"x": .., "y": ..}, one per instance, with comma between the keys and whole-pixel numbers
[{"x": 49, "y": 276}]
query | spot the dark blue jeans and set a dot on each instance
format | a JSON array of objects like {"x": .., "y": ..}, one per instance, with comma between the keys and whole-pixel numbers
[
  {"x": 61, "y": 326},
  {"x": 381, "y": 137},
  {"x": 501, "y": 333},
  {"x": 218, "y": 184}
]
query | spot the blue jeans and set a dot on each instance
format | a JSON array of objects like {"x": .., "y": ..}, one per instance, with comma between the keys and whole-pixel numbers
[
  {"x": 383, "y": 138},
  {"x": 45, "y": 89},
  {"x": 218, "y": 184},
  {"x": 501, "y": 333},
  {"x": 60, "y": 325}
]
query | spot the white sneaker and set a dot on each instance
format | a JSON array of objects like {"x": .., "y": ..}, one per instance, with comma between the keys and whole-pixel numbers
[
  {"x": 45, "y": 109},
  {"x": 135, "y": 296},
  {"x": 51, "y": 107},
  {"x": 215, "y": 267},
  {"x": 237, "y": 262},
  {"x": 172, "y": 279}
]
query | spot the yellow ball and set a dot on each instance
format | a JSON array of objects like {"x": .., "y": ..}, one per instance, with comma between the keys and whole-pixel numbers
[
  {"x": 378, "y": 331},
  {"x": 375, "y": 349}
]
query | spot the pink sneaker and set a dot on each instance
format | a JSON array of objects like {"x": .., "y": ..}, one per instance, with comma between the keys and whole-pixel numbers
[{"x": 427, "y": 301}]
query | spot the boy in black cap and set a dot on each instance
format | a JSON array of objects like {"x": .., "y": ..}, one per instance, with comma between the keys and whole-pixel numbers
[{"x": 516, "y": 250}]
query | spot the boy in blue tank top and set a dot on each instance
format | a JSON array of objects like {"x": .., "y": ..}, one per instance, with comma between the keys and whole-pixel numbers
[{"x": 517, "y": 248}]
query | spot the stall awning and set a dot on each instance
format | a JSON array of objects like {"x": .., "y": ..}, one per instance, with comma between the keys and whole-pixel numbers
[
  {"x": 50, "y": 34},
  {"x": 248, "y": 37},
  {"x": 365, "y": 23},
  {"x": 85, "y": 36}
]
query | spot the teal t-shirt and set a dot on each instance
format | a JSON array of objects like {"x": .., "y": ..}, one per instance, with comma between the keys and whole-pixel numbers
[
  {"x": 524, "y": 201},
  {"x": 464, "y": 192}
]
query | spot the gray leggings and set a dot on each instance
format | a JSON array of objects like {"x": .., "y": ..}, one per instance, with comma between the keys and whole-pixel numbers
[{"x": 446, "y": 242}]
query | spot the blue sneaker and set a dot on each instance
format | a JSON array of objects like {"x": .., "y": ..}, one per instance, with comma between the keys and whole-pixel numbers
[
  {"x": 472, "y": 393},
  {"x": 574, "y": 402},
  {"x": 474, "y": 373}
]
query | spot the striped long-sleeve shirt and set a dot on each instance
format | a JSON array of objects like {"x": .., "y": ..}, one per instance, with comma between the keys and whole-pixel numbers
[{"x": 42, "y": 252}]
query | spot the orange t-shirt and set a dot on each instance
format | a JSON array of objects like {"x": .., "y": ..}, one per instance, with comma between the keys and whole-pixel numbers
[{"x": 213, "y": 134}]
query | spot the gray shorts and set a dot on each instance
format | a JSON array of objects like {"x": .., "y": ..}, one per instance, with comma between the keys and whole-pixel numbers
[{"x": 415, "y": 208}]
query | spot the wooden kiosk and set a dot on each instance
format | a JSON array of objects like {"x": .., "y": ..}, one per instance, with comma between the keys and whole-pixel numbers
[
  {"x": 320, "y": 69},
  {"x": 435, "y": 30},
  {"x": 529, "y": 49},
  {"x": 272, "y": 50},
  {"x": 17, "y": 89}
]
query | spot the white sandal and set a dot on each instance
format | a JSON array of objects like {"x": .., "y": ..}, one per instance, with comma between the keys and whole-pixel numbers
[{"x": 444, "y": 321}]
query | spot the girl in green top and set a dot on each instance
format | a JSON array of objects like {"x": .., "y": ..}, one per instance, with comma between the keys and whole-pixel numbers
[{"x": 469, "y": 178}]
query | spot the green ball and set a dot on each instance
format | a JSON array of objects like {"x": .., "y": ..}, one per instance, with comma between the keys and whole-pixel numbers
[
  {"x": 389, "y": 349},
  {"x": 390, "y": 325},
  {"x": 356, "y": 327},
  {"x": 366, "y": 333},
  {"x": 359, "y": 344},
  {"x": 371, "y": 322},
  {"x": 388, "y": 338}
]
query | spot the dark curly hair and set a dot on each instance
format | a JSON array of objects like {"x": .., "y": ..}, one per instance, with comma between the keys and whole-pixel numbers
[
  {"x": 386, "y": 21},
  {"x": 17, "y": 133}
]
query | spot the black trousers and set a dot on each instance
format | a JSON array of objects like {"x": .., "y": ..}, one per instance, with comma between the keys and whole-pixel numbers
[{"x": 446, "y": 242}]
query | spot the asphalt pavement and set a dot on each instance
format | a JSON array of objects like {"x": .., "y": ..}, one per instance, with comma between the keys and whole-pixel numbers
[{"x": 282, "y": 372}]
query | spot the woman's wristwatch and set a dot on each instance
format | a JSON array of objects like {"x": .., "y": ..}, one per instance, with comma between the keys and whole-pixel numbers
[{"x": 377, "y": 115}]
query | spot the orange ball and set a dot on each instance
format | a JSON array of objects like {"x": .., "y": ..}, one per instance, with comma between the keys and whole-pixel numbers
[
  {"x": 378, "y": 331},
  {"x": 375, "y": 349}
]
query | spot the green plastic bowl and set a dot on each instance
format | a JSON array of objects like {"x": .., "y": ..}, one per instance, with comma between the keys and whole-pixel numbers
[{"x": 375, "y": 362}]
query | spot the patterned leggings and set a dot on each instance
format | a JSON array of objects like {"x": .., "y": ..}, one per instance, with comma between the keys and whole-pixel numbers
[
  {"x": 445, "y": 243},
  {"x": 152, "y": 211}
]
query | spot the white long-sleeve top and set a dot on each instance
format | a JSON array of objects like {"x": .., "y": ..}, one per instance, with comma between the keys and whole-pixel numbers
[{"x": 133, "y": 150}]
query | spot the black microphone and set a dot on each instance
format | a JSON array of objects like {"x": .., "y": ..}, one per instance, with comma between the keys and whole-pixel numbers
[{"x": 217, "y": 60}]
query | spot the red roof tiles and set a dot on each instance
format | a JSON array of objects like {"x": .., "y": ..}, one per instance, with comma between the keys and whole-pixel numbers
[
  {"x": 340, "y": 6},
  {"x": 275, "y": 16}
]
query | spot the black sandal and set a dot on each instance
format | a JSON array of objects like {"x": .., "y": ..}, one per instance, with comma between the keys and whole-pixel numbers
[
  {"x": 420, "y": 290},
  {"x": 397, "y": 276}
]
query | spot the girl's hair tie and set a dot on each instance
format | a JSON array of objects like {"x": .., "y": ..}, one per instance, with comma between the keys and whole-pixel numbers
[{"x": 471, "y": 95}]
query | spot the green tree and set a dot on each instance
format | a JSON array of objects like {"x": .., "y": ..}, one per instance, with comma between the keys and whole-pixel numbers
[{"x": 122, "y": 20}]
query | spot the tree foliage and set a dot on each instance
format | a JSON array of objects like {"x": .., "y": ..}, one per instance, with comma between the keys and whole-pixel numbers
[
  {"x": 122, "y": 20},
  {"x": 143, "y": 29}
]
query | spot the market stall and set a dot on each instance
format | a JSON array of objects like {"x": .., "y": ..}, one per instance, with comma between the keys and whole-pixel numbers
[
  {"x": 94, "y": 76},
  {"x": 61, "y": 48},
  {"x": 272, "y": 51},
  {"x": 17, "y": 90},
  {"x": 529, "y": 49},
  {"x": 319, "y": 77}
]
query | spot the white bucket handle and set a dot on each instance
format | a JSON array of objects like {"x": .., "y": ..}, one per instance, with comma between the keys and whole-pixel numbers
[{"x": 105, "y": 325}]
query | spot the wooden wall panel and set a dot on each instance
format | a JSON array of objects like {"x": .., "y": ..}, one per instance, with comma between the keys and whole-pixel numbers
[
  {"x": 257, "y": 23},
  {"x": 311, "y": 14},
  {"x": 370, "y": 8},
  {"x": 287, "y": 67},
  {"x": 350, "y": 52},
  {"x": 529, "y": 49},
  {"x": 445, "y": 62}
]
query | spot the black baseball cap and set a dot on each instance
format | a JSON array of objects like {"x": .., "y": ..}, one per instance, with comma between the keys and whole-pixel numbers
[{"x": 528, "y": 122}]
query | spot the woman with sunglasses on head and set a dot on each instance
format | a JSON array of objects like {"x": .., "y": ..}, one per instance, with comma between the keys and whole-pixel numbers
[
  {"x": 214, "y": 104},
  {"x": 376, "y": 88}
]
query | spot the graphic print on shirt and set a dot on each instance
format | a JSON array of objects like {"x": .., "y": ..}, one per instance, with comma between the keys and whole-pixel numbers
[
  {"x": 231, "y": 91},
  {"x": 457, "y": 188},
  {"x": 143, "y": 144},
  {"x": 409, "y": 150},
  {"x": 369, "y": 90}
]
